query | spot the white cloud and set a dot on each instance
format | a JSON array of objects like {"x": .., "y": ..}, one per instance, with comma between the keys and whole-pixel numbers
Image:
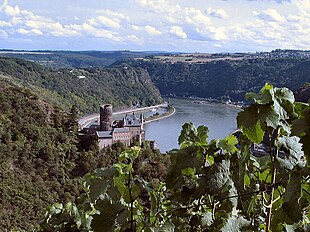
[
  {"x": 9, "y": 10},
  {"x": 149, "y": 29},
  {"x": 196, "y": 17},
  {"x": 271, "y": 15},
  {"x": 5, "y": 24},
  {"x": 219, "y": 13},
  {"x": 134, "y": 39},
  {"x": 170, "y": 24},
  {"x": 102, "y": 20},
  {"x": 29, "y": 32},
  {"x": 178, "y": 31},
  {"x": 160, "y": 6},
  {"x": 113, "y": 14},
  {"x": 152, "y": 30}
]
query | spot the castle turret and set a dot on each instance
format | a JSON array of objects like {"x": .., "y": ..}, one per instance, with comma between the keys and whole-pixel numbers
[{"x": 105, "y": 117}]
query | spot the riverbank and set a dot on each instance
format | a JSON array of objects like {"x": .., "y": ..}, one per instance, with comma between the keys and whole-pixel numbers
[
  {"x": 86, "y": 120},
  {"x": 198, "y": 100},
  {"x": 165, "y": 115}
]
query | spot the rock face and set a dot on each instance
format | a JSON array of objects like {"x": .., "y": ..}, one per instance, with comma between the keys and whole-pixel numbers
[{"x": 303, "y": 94}]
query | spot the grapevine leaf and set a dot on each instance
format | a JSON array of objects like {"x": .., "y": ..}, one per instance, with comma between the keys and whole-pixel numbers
[
  {"x": 217, "y": 176},
  {"x": 234, "y": 223},
  {"x": 190, "y": 172},
  {"x": 180, "y": 160},
  {"x": 166, "y": 227},
  {"x": 98, "y": 187},
  {"x": 202, "y": 133},
  {"x": 131, "y": 154},
  {"x": 228, "y": 144},
  {"x": 301, "y": 128},
  {"x": 105, "y": 221},
  {"x": 293, "y": 152},
  {"x": 118, "y": 183},
  {"x": 187, "y": 133},
  {"x": 292, "y": 195},
  {"x": 248, "y": 120},
  {"x": 263, "y": 97}
]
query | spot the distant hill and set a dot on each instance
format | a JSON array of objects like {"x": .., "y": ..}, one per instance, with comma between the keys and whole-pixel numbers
[
  {"x": 303, "y": 94},
  {"x": 76, "y": 59},
  {"x": 85, "y": 88},
  {"x": 224, "y": 78}
]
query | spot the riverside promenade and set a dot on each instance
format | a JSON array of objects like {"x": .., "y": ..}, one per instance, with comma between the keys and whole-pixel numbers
[{"x": 86, "y": 120}]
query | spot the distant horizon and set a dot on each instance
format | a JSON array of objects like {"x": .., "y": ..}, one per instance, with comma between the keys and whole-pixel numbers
[
  {"x": 213, "y": 26},
  {"x": 141, "y": 51}
]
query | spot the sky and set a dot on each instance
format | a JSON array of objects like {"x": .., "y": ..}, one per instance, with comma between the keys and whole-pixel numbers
[{"x": 155, "y": 25}]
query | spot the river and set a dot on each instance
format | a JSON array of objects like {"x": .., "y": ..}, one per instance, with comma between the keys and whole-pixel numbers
[{"x": 219, "y": 118}]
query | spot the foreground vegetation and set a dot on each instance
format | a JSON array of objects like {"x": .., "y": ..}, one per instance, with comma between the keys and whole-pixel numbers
[
  {"x": 41, "y": 159},
  {"x": 210, "y": 186}
]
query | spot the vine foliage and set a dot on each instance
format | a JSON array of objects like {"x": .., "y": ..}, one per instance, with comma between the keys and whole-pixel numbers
[{"x": 256, "y": 179}]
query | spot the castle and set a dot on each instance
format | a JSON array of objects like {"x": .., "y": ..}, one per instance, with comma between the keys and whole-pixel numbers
[{"x": 127, "y": 130}]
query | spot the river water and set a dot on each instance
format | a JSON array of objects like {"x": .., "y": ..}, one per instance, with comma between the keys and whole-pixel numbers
[{"x": 219, "y": 118}]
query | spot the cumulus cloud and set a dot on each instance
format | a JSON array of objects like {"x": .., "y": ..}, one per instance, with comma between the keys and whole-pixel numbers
[
  {"x": 178, "y": 31},
  {"x": 149, "y": 29},
  {"x": 172, "y": 23},
  {"x": 112, "y": 14},
  {"x": 5, "y": 24},
  {"x": 105, "y": 21},
  {"x": 196, "y": 17},
  {"x": 270, "y": 15},
  {"x": 29, "y": 32},
  {"x": 10, "y": 10},
  {"x": 134, "y": 39},
  {"x": 160, "y": 6},
  {"x": 219, "y": 13}
]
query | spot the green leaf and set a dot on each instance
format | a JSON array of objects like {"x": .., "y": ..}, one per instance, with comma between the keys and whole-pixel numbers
[
  {"x": 97, "y": 187},
  {"x": 187, "y": 133},
  {"x": 166, "y": 227},
  {"x": 235, "y": 223},
  {"x": 202, "y": 134},
  {"x": 292, "y": 196},
  {"x": 131, "y": 154},
  {"x": 264, "y": 95},
  {"x": 293, "y": 152},
  {"x": 249, "y": 122},
  {"x": 301, "y": 128},
  {"x": 190, "y": 172},
  {"x": 228, "y": 144},
  {"x": 105, "y": 222}
]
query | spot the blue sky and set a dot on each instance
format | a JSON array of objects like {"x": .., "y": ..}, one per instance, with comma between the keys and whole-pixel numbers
[{"x": 157, "y": 25}]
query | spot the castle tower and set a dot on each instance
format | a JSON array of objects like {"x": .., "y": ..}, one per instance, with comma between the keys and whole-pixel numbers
[{"x": 105, "y": 117}]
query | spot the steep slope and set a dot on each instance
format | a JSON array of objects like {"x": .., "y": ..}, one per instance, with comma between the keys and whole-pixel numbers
[
  {"x": 303, "y": 94},
  {"x": 86, "y": 88},
  {"x": 37, "y": 158},
  {"x": 216, "y": 79}
]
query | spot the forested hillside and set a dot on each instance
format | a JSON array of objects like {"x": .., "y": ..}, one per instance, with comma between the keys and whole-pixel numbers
[
  {"x": 85, "y": 88},
  {"x": 42, "y": 160},
  {"x": 216, "y": 79},
  {"x": 75, "y": 59},
  {"x": 38, "y": 157}
]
